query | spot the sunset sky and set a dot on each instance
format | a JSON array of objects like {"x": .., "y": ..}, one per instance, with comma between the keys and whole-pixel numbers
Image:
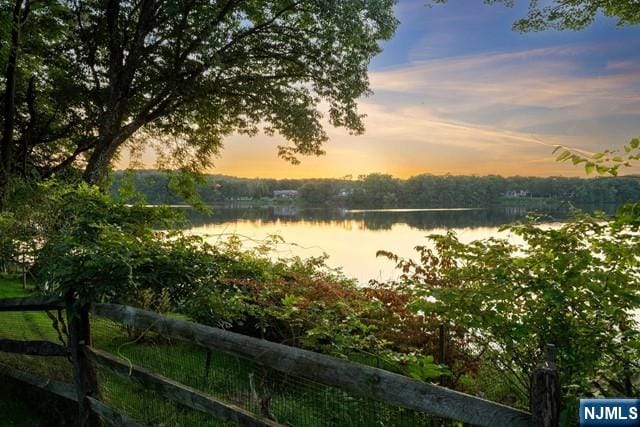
[{"x": 457, "y": 91}]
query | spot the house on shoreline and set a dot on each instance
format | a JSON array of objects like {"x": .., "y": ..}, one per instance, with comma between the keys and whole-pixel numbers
[
  {"x": 285, "y": 194},
  {"x": 517, "y": 193}
]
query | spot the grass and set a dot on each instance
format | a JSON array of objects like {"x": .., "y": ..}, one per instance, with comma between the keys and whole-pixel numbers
[
  {"x": 10, "y": 287},
  {"x": 20, "y": 404},
  {"x": 293, "y": 401}
]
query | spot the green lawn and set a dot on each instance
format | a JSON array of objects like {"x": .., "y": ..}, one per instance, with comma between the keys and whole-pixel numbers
[
  {"x": 293, "y": 401},
  {"x": 11, "y": 287}
]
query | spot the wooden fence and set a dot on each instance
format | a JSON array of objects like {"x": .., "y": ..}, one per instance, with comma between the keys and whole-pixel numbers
[{"x": 356, "y": 379}]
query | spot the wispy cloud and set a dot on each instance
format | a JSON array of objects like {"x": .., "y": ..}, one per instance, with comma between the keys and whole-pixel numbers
[{"x": 521, "y": 91}]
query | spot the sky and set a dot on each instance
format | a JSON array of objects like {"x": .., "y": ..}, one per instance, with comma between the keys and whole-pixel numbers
[{"x": 457, "y": 91}]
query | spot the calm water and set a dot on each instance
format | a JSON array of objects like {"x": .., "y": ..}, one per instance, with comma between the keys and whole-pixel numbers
[{"x": 352, "y": 237}]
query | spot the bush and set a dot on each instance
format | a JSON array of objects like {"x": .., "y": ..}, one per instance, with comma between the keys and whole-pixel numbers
[
  {"x": 104, "y": 250},
  {"x": 575, "y": 285},
  {"x": 296, "y": 302}
]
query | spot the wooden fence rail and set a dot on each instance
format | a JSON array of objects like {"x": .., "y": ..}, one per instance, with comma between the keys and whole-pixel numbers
[
  {"x": 357, "y": 379},
  {"x": 85, "y": 388},
  {"x": 68, "y": 391},
  {"x": 351, "y": 377},
  {"x": 32, "y": 304},
  {"x": 33, "y": 348}
]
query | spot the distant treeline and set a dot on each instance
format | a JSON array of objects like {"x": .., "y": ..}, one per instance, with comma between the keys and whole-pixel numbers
[{"x": 385, "y": 191}]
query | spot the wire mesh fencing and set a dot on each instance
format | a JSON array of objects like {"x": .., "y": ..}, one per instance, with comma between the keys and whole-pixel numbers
[
  {"x": 286, "y": 399},
  {"x": 36, "y": 326}
]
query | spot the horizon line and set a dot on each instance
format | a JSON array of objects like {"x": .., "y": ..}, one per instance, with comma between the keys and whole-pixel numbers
[{"x": 354, "y": 177}]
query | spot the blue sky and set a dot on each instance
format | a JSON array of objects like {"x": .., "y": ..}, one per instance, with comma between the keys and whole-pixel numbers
[
  {"x": 457, "y": 91},
  {"x": 468, "y": 27}
]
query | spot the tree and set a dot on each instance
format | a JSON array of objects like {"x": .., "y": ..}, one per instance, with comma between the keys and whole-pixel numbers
[
  {"x": 319, "y": 193},
  {"x": 42, "y": 101},
  {"x": 571, "y": 14},
  {"x": 186, "y": 73}
]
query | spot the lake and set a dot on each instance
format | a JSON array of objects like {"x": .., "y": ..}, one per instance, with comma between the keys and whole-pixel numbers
[{"x": 351, "y": 238}]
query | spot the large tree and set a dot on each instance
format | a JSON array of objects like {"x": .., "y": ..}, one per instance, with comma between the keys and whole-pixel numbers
[{"x": 184, "y": 73}]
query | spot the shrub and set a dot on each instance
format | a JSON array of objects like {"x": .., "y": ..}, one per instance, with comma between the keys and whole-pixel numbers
[
  {"x": 297, "y": 302},
  {"x": 574, "y": 285}
]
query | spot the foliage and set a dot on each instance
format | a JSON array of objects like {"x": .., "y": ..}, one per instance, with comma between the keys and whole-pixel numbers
[
  {"x": 295, "y": 301},
  {"x": 378, "y": 190},
  {"x": 8, "y": 247},
  {"x": 179, "y": 76},
  {"x": 319, "y": 192},
  {"x": 571, "y": 14},
  {"x": 304, "y": 303},
  {"x": 577, "y": 14},
  {"x": 607, "y": 162},
  {"x": 410, "y": 333},
  {"x": 575, "y": 285},
  {"x": 83, "y": 241},
  {"x": 291, "y": 399},
  {"x": 103, "y": 250},
  {"x": 41, "y": 99},
  {"x": 26, "y": 223},
  {"x": 106, "y": 250}
]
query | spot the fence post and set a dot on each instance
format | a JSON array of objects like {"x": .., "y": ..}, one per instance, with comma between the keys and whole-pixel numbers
[
  {"x": 84, "y": 370},
  {"x": 545, "y": 392}
]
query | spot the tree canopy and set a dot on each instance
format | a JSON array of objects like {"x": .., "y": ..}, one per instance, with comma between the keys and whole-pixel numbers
[{"x": 82, "y": 78}]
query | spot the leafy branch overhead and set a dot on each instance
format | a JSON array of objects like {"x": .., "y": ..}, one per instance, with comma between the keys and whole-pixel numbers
[
  {"x": 570, "y": 14},
  {"x": 605, "y": 162}
]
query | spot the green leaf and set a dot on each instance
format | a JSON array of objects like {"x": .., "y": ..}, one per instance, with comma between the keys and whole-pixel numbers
[
  {"x": 589, "y": 167},
  {"x": 565, "y": 155}
]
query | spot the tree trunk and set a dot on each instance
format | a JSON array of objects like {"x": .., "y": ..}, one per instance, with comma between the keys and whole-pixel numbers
[
  {"x": 27, "y": 138},
  {"x": 8, "y": 116},
  {"x": 113, "y": 135},
  {"x": 98, "y": 164}
]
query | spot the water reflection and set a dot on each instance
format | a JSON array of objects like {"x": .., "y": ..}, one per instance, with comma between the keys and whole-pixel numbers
[
  {"x": 382, "y": 219},
  {"x": 351, "y": 238}
]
